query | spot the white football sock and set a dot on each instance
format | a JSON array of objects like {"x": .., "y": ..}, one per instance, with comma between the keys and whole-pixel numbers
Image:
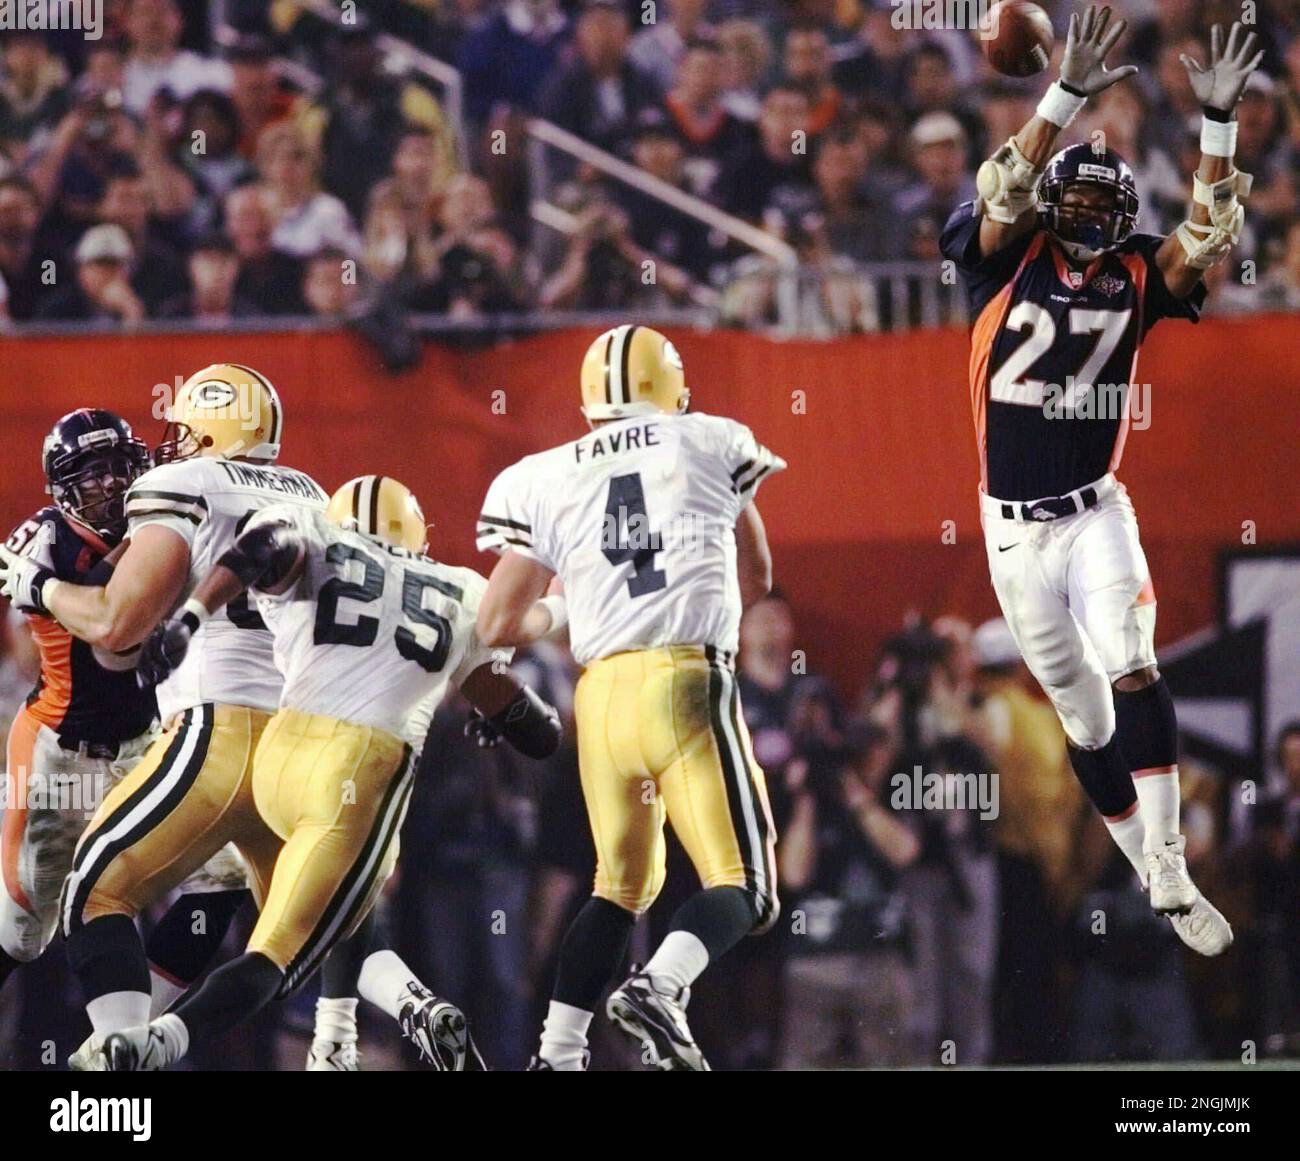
[
  {"x": 336, "y": 1020},
  {"x": 564, "y": 1037},
  {"x": 386, "y": 981},
  {"x": 176, "y": 1037},
  {"x": 1160, "y": 797},
  {"x": 165, "y": 992},
  {"x": 118, "y": 1010},
  {"x": 680, "y": 959},
  {"x": 1129, "y": 833}
]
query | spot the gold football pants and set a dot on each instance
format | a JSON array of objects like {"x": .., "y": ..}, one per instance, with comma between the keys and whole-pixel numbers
[
  {"x": 189, "y": 795},
  {"x": 660, "y": 734},
  {"x": 336, "y": 794}
]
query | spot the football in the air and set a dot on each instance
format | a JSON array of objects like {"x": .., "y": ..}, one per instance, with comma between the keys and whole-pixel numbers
[{"x": 1018, "y": 39}]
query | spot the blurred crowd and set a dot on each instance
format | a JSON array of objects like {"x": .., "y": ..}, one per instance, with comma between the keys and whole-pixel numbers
[
  {"x": 992, "y": 925},
  {"x": 293, "y": 169}
]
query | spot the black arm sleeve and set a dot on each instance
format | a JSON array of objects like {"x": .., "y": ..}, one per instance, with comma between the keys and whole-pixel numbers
[
  {"x": 263, "y": 555},
  {"x": 530, "y": 725}
]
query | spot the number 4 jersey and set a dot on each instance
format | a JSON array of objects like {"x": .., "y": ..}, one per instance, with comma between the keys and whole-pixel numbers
[
  {"x": 1054, "y": 354},
  {"x": 369, "y": 634},
  {"x": 637, "y": 518},
  {"x": 208, "y": 502}
]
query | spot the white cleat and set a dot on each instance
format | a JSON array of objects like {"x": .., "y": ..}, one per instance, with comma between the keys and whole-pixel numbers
[
  {"x": 89, "y": 1057},
  {"x": 658, "y": 1021},
  {"x": 333, "y": 1056},
  {"x": 1171, "y": 888},
  {"x": 141, "y": 1049},
  {"x": 1203, "y": 928}
]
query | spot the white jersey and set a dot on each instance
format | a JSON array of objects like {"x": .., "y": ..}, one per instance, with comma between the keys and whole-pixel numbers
[
  {"x": 208, "y": 502},
  {"x": 370, "y": 634},
  {"x": 637, "y": 518}
]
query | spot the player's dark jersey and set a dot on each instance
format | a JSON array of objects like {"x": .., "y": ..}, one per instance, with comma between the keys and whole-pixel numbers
[
  {"x": 1053, "y": 352},
  {"x": 75, "y": 695}
]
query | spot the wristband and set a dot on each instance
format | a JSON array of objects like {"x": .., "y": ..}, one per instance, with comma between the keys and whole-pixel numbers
[
  {"x": 1060, "y": 104},
  {"x": 193, "y": 613},
  {"x": 1218, "y": 137},
  {"x": 558, "y": 607}
]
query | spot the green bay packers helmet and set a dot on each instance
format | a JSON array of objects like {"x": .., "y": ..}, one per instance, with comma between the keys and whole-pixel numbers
[
  {"x": 632, "y": 370},
  {"x": 382, "y": 508},
  {"x": 226, "y": 411}
]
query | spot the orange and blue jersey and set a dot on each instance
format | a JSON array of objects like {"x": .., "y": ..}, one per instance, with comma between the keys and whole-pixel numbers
[
  {"x": 74, "y": 695},
  {"x": 1054, "y": 352}
]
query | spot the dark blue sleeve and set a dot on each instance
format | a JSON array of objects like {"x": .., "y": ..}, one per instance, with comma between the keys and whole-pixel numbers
[
  {"x": 1158, "y": 302},
  {"x": 985, "y": 275}
]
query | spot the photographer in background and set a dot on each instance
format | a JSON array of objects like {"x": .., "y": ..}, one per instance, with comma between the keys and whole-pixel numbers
[{"x": 846, "y": 974}]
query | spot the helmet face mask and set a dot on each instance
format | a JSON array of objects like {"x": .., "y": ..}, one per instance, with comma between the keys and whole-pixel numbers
[
  {"x": 91, "y": 458},
  {"x": 1088, "y": 201}
]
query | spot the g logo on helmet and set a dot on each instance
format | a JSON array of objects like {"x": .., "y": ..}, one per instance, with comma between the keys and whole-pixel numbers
[
  {"x": 671, "y": 357},
  {"x": 213, "y": 395}
]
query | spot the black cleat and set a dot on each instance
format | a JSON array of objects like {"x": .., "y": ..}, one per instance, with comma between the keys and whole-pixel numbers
[
  {"x": 658, "y": 1020},
  {"x": 440, "y": 1033}
]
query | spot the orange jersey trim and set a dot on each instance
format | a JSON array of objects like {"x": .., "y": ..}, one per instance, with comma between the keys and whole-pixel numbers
[
  {"x": 54, "y": 643},
  {"x": 22, "y": 744}
]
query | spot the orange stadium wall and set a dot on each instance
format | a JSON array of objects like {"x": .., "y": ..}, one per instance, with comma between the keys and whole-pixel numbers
[{"x": 877, "y": 432}]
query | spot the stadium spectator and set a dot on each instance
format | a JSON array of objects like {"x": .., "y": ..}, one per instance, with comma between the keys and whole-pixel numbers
[
  {"x": 952, "y": 895},
  {"x": 938, "y": 151},
  {"x": 269, "y": 278},
  {"x": 1039, "y": 805},
  {"x": 1280, "y": 288},
  {"x": 260, "y": 99},
  {"x": 657, "y": 227},
  {"x": 22, "y": 263},
  {"x": 208, "y": 150},
  {"x": 157, "y": 272},
  {"x": 707, "y": 131},
  {"x": 505, "y": 62},
  {"x": 33, "y": 93},
  {"x": 101, "y": 290},
  {"x": 932, "y": 87},
  {"x": 211, "y": 300},
  {"x": 329, "y": 284},
  {"x": 402, "y": 217},
  {"x": 873, "y": 63},
  {"x": 658, "y": 47},
  {"x": 155, "y": 61},
  {"x": 1264, "y": 151},
  {"x": 846, "y": 975},
  {"x": 360, "y": 121},
  {"x": 769, "y": 173},
  {"x": 599, "y": 93},
  {"x": 746, "y": 56},
  {"x": 845, "y": 197},
  {"x": 306, "y": 217},
  {"x": 807, "y": 66},
  {"x": 1165, "y": 23},
  {"x": 1172, "y": 106}
]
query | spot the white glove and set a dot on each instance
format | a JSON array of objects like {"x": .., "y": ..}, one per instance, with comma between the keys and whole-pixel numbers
[
  {"x": 22, "y": 580},
  {"x": 1220, "y": 86},
  {"x": 1083, "y": 67}
]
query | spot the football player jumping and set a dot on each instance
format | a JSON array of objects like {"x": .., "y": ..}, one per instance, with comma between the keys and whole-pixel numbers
[
  {"x": 369, "y": 634},
  {"x": 87, "y": 722},
  {"x": 649, "y": 524},
  {"x": 1063, "y": 292}
]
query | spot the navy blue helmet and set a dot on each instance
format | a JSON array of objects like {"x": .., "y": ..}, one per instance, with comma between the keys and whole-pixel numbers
[
  {"x": 90, "y": 458},
  {"x": 1087, "y": 233}
]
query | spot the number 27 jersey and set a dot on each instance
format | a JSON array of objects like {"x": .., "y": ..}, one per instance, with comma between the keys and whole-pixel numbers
[{"x": 637, "y": 518}]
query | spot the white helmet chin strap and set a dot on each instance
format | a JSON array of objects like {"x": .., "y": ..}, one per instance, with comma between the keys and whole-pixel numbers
[{"x": 1079, "y": 251}]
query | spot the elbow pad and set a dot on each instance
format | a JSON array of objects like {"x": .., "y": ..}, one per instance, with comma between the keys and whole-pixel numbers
[
  {"x": 1008, "y": 184},
  {"x": 262, "y": 555},
  {"x": 1207, "y": 246},
  {"x": 530, "y": 725}
]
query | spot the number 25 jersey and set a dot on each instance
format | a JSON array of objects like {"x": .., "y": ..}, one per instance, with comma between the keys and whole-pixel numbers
[
  {"x": 1054, "y": 353},
  {"x": 637, "y": 518},
  {"x": 369, "y": 634},
  {"x": 208, "y": 502}
]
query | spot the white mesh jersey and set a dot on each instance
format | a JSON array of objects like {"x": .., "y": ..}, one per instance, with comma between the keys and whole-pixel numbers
[
  {"x": 638, "y": 519},
  {"x": 208, "y": 502},
  {"x": 370, "y": 634}
]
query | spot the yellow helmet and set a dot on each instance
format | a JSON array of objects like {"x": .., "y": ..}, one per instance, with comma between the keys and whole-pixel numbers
[
  {"x": 632, "y": 370},
  {"x": 225, "y": 411},
  {"x": 381, "y": 507}
]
